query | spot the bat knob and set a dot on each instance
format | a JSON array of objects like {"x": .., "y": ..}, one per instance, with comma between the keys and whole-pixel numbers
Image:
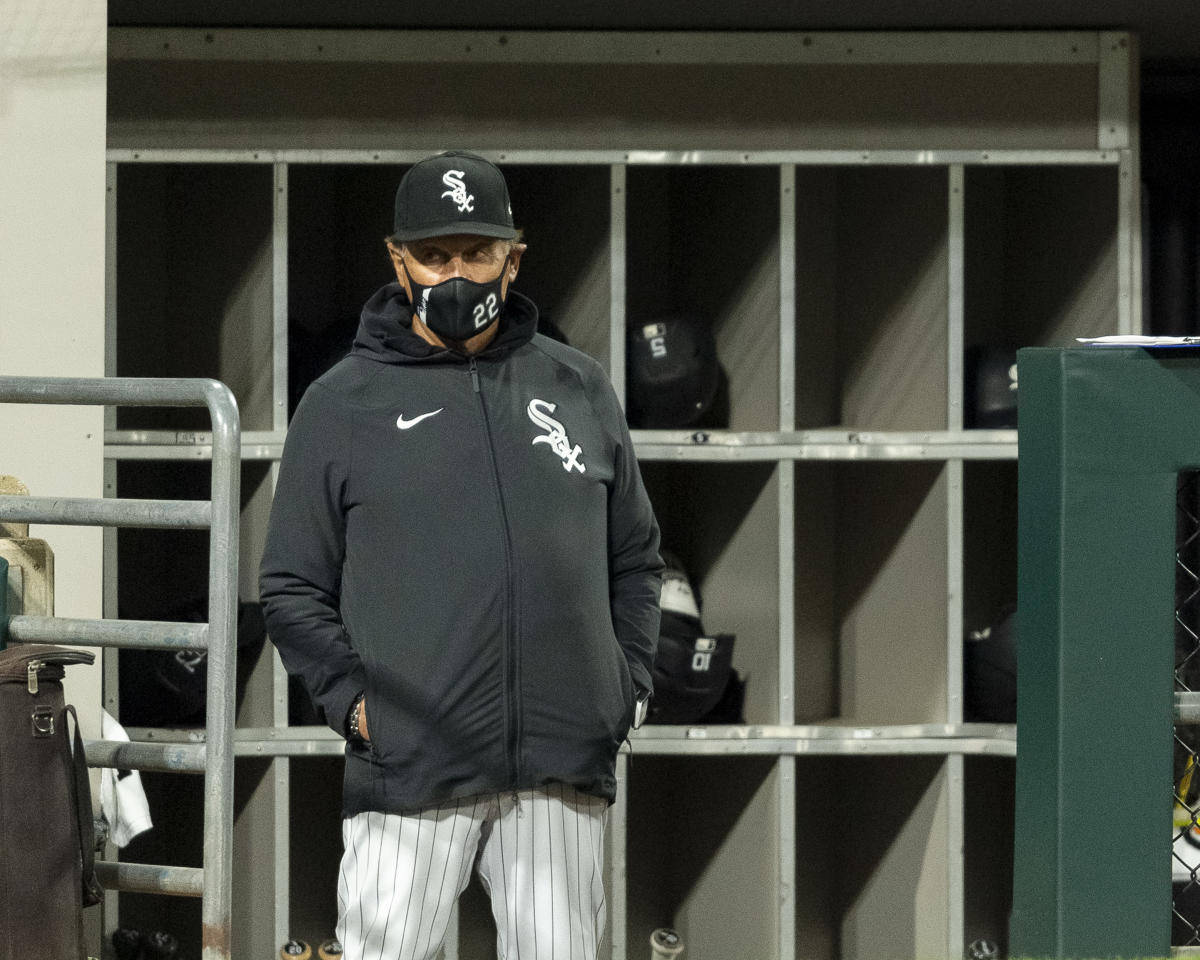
[{"x": 665, "y": 944}]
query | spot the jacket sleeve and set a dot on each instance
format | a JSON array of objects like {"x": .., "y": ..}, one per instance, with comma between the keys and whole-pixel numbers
[
  {"x": 300, "y": 576},
  {"x": 634, "y": 565}
]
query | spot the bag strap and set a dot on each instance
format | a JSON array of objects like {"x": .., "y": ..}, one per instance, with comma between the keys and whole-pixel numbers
[{"x": 93, "y": 893}]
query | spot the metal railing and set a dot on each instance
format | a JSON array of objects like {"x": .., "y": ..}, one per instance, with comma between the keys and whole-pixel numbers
[{"x": 213, "y": 881}]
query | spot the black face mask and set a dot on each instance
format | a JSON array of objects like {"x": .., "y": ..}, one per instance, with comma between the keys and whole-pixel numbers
[{"x": 459, "y": 308}]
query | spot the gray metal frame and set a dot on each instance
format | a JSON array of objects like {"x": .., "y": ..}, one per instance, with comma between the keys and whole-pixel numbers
[
  {"x": 785, "y": 448},
  {"x": 1107, "y": 50},
  {"x": 213, "y": 882}
]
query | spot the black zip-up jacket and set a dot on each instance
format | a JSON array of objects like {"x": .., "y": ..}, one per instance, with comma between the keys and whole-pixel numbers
[{"x": 468, "y": 542}]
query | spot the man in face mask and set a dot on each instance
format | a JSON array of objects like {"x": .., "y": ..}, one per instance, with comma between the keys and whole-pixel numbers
[
  {"x": 454, "y": 250},
  {"x": 462, "y": 567}
]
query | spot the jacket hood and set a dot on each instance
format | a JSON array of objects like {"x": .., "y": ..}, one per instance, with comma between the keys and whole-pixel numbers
[{"x": 385, "y": 330}]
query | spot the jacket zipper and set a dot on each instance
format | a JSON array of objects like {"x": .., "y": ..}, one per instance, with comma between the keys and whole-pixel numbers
[{"x": 512, "y": 665}]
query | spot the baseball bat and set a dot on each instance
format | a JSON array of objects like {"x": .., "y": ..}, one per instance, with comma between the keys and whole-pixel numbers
[{"x": 665, "y": 944}]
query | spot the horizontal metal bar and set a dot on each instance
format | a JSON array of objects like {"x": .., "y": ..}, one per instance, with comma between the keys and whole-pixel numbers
[
  {"x": 829, "y": 452},
  {"x": 671, "y": 746},
  {"x": 834, "y": 739},
  {"x": 185, "y": 438},
  {"x": 149, "y": 878},
  {"x": 110, "y": 391},
  {"x": 110, "y": 512},
  {"x": 173, "y": 451},
  {"x": 708, "y": 48},
  {"x": 1187, "y": 708},
  {"x": 841, "y": 729},
  {"x": 133, "y": 634},
  {"x": 655, "y": 451},
  {"x": 834, "y": 730},
  {"x": 167, "y": 734},
  {"x": 715, "y": 446},
  {"x": 734, "y": 740},
  {"x": 816, "y": 158},
  {"x": 256, "y": 741},
  {"x": 829, "y": 437},
  {"x": 160, "y": 757},
  {"x": 297, "y": 747},
  {"x": 826, "y": 445},
  {"x": 932, "y": 746}
]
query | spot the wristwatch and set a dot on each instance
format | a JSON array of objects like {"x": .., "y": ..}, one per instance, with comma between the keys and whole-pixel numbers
[
  {"x": 640, "y": 708},
  {"x": 352, "y": 723}
]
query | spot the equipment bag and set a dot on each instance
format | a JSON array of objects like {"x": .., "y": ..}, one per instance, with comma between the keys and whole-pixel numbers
[{"x": 47, "y": 836}]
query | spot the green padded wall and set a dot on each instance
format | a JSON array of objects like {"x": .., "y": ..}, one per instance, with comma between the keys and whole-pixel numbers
[{"x": 1104, "y": 433}]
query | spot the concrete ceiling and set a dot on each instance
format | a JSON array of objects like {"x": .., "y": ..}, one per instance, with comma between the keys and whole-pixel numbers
[{"x": 1169, "y": 29}]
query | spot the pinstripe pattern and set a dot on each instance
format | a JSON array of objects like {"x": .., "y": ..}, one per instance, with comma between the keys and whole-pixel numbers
[{"x": 539, "y": 853}]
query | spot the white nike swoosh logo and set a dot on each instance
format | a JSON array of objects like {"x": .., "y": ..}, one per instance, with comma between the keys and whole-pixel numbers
[{"x": 406, "y": 424}]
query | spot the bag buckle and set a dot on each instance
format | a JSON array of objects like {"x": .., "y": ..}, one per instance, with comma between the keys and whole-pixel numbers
[{"x": 42, "y": 721}]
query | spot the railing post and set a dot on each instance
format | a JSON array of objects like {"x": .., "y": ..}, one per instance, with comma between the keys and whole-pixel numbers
[{"x": 217, "y": 918}]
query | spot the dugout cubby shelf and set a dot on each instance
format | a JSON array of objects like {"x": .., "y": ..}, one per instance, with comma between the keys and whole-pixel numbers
[
  {"x": 720, "y": 520},
  {"x": 1041, "y": 250},
  {"x": 193, "y": 271},
  {"x": 871, "y": 297},
  {"x": 704, "y": 241},
  {"x": 872, "y": 870},
  {"x": 989, "y": 542},
  {"x": 578, "y": 299},
  {"x": 697, "y": 848},
  {"x": 853, "y": 216},
  {"x": 989, "y": 795},
  {"x": 871, "y": 581}
]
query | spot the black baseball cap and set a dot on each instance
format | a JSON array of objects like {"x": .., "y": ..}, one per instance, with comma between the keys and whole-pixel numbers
[
  {"x": 454, "y": 192},
  {"x": 673, "y": 371}
]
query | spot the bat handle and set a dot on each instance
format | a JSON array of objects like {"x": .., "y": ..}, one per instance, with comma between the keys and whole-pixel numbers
[{"x": 665, "y": 944}]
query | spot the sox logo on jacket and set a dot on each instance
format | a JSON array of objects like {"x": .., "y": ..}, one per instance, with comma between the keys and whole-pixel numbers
[{"x": 556, "y": 435}]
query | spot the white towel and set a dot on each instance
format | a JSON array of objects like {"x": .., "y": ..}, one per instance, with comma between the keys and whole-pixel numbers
[{"x": 122, "y": 799}]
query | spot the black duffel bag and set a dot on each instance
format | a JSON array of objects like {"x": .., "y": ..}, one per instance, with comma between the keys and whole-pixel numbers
[{"x": 47, "y": 835}]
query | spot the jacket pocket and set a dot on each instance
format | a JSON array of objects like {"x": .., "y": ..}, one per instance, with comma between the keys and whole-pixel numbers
[
  {"x": 630, "y": 699},
  {"x": 376, "y": 725},
  {"x": 630, "y": 692}
]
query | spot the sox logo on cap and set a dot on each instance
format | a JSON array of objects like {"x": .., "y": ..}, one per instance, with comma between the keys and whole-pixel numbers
[{"x": 458, "y": 190}]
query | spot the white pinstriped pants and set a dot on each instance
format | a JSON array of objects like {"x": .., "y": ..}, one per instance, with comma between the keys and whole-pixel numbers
[{"x": 539, "y": 853}]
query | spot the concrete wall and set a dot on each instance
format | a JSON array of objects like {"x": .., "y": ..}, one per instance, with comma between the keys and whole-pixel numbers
[{"x": 52, "y": 239}]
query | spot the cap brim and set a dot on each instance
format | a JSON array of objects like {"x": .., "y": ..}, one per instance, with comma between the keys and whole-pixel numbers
[{"x": 466, "y": 227}]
